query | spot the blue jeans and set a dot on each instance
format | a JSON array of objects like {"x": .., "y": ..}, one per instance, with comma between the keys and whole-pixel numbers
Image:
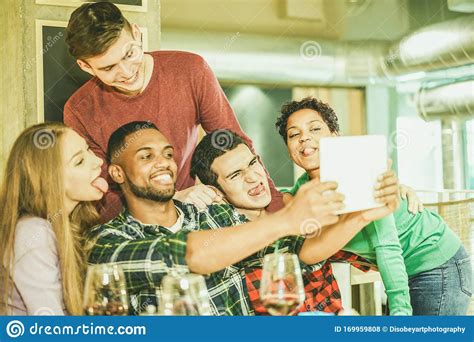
[{"x": 445, "y": 290}]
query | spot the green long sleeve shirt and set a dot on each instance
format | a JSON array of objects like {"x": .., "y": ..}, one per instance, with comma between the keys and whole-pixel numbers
[{"x": 402, "y": 245}]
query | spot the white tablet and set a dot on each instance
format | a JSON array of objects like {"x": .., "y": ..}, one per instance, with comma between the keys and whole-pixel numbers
[{"x": 354, "y": 162}]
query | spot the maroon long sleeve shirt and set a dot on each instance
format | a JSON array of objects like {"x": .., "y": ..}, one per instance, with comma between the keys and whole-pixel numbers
[{"x": 182, "y": 94}]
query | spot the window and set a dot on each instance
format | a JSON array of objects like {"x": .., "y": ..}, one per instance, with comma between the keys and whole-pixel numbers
[{"x": 469, "y": 154}]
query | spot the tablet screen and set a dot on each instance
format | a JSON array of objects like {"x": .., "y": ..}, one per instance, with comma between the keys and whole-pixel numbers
[{"x": 354, "y": 162}]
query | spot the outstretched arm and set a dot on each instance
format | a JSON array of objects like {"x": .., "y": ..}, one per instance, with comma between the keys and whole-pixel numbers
[
  {"x": 212, "y": 250},
  {"x": 331, "y": 239},
  {"x": 146, "y": 261}
]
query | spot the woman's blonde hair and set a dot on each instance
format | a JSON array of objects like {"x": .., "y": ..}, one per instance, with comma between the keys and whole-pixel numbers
[{"x": 33, "y": 185}]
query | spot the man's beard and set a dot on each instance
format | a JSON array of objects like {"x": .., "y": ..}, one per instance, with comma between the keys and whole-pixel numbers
[{"x": 151, "y": 193}]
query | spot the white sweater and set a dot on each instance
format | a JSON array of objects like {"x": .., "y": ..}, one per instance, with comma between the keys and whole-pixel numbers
[{"x": 36, "y": 273}]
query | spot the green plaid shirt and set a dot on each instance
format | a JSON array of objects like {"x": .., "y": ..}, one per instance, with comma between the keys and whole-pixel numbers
[{"x": 147, "y": 252}]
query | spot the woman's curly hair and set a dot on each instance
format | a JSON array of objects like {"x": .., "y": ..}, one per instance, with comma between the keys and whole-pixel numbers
[{"x": 326, "y": 112}]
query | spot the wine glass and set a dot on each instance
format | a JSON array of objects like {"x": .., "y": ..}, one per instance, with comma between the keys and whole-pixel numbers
[
  {"x": 281, "y": 289},
  {"x": 184, "y": 295},
  {"x": 105, "y": 291}
]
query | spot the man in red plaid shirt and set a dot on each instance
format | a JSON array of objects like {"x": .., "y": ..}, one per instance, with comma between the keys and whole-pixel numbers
[{"x": 223, "y": 160}]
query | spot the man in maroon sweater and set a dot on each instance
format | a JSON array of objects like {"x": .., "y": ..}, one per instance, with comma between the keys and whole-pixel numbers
[{"x": 177, "y": 91}]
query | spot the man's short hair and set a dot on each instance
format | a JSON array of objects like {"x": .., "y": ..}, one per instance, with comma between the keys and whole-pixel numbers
[
  {"x": 117, "y": 144},
  {"x": 212, "y": 146},
  {"x": 326, "y": 112},
  {"x": 93, "y": 28}
]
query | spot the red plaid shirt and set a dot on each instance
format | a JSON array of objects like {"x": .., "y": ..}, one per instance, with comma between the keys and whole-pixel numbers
[{"x": 322, "y": 291}]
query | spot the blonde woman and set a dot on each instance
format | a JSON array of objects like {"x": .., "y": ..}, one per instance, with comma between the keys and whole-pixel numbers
[{"x": 50, "y": 179}]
